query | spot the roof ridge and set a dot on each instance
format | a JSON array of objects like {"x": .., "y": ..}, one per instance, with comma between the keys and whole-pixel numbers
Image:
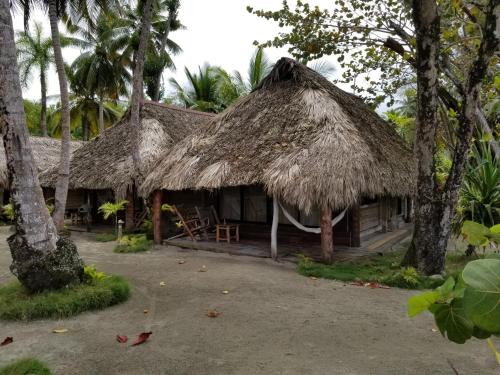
[{"x": 175, "y": 108}]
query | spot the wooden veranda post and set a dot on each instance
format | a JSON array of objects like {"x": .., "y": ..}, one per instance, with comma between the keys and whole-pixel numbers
[
  {"x": 326, "y": 234},
  {"x": 157, "y": 216},
  {"x": 130, "y": 210},
  {"x": 274, "y": 229},
  {"x": 355, "y": 226}
]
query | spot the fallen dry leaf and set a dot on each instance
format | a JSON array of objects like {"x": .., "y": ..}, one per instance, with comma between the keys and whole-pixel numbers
[
  {"x": 8, "y": 340},
  {"x": 60, "y": 330},
  {"x": 122, "y": 339},
  {"x": 142, "y": 338},
  {"x": 213, "y": 313},
  {"x": 203, "y": 269},
  {"x": 181, "y": 261},
  {"x": 162, "y": 283},
  {"x": 371, "y": 285},
  {"x": 225, "y": 292},
  {"x": 313, "y": 277},
  {"x": 433, "y": 330},
  {"x": 145, "y": 311}
]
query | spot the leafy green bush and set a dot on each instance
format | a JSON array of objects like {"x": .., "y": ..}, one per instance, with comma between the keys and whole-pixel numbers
[
  {"x": 96, "y": 293},
  {"x": 469, "y": 305},
  {"x": 133, "y": 244},
  {"x": 92, "y": 275},
  {"x": 404, "y": 278},
  {"x": 26, "y": 366},
  {"x": 384, "y": 269},
  {"x": 105, "y": 237},
  {"x": 8, "y": 211},
  {"x": 480, "y": 193}
]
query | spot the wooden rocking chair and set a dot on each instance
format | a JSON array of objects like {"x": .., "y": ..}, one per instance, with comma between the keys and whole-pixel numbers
[{"x": 192, "y": 223}]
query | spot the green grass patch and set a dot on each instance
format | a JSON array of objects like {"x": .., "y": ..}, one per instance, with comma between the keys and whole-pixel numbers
[
  {"x": 26, "y": 366},
  {"x": 133, "y": 244},
  {"x": 103, "y": 291},
  {"x": 105, "y": 237},
  {"x": 385, "y": 269}
]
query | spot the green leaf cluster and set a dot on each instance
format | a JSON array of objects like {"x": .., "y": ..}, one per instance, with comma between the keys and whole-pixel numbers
[
  {"x": 467, "y": 307},
  {"x": 111, "y": 209}
]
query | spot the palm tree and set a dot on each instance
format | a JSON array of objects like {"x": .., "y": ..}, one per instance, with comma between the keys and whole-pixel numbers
[
  {"x": 102, "y": 70},
  {"x": 41, "y": 260},
  {"x": 34, "y": 52},
  {"x": 259, "y": 67},
  {"x": 204, "y": 89},
  {"x": 82, "y": 10},
  {"x": 163, "y": 58}
]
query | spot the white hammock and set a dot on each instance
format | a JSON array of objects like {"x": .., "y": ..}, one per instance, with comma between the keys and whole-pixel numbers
[{"x": 309, "y": 229}]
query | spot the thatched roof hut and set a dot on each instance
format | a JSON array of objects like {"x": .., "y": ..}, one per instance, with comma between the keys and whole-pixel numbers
[
  {"x": 106, "y": 161},
  {"x": 305, "y": 140},
  {"x": 46, "y": 152}
]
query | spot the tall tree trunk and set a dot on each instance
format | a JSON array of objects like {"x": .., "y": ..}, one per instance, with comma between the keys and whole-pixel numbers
[
  {"x": 423, "y": 253},
  {"x": 85, "y": 129},
  {"x": 62, "y": 183},
  {"x": 101, "y": 116},
  {"x": 164, "y": 40},
  {"x": 43, "y": 112},
  {"x": 137, "y": 88},
  {"x": 40, "y": 259},
  {"x": 326, "y": 234},
  {"x": 435, "y": 208}
]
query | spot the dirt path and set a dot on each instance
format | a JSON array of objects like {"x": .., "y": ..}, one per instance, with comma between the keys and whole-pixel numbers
[{"x": 273, "y": 321}]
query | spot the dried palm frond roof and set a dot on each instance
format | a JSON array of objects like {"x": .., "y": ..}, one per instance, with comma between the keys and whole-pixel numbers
[
  {"x": 106, "y": 162},
  {"x": 307, "y": 141},
  {"x": 46, "y": 153}
]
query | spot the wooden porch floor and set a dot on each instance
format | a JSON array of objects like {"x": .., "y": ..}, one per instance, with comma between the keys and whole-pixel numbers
[{"x": 377, "y": 243}]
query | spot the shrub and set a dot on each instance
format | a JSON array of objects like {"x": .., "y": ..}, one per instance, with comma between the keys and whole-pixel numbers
[
  {"x": 133, "y": 244},
  {"x": 105, "y": 237},
  {"x": 25, "y": 366},
  {"x": 97, "y": 292},
  {"x": 405, "y": 278}
]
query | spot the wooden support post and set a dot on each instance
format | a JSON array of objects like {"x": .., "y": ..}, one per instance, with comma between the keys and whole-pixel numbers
[
  {"x": 88, "y": 219},
  {"x": 355, "y": 226},
  {"x": 130, "y": 210},
  {"x": 157, "y": 216},
  {"x": 274, "y": 229},
  {"x": 326, "y": 234}
]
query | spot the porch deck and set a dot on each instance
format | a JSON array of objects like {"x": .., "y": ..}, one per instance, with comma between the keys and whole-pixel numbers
[{"x": 376, "y": 243}]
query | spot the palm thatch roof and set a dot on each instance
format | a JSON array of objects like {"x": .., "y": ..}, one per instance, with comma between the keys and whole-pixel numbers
[
  {"x": 46, "y": 152},
  {"x": 307, "y": 141},
  {"x": 106, "y": 161}
]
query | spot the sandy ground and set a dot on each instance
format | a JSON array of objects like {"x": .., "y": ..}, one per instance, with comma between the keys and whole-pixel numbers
[{"x": 272, "y": 321}]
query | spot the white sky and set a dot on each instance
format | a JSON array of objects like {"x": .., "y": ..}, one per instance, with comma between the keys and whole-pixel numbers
[{"x": 220, "y": 32}]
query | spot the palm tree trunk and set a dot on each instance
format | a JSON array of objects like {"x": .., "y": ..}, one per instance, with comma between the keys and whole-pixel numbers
[
  {"x": 43, "y": 112},
  {"x": 61, "y": 193},
  {"x": 101, "y": 117},
  {"x": 85, "y": 129},
  {"x": 137, "y": 88},
  {"x": 156, "y": 94},
  {"x": 40, "y": 259}
]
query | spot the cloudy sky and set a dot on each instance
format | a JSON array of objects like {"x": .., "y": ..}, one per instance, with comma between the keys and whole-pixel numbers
[{"x": 217, "y": 31}]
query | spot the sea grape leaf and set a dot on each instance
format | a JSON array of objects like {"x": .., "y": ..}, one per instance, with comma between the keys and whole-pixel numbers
[
  {"x": 452, "y": 321},
  {"x": 479, "y": 333},
  {"x": 446, "y": 289},
  {"x": 122, "y": 339},
  {"x": 475, "y": 233},
  {"x": 482, "y": 296},
  {"x": 421, "y": 302},
  {"x": 142, "y": 338},
  {"x": 6, "y": 341}
]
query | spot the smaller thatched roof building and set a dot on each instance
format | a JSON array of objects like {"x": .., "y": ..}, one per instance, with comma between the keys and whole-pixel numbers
[
  {"x": 46, "y": 152},
  {"x": 106, "y": 162},
  {"x": 305, "y": 140}
]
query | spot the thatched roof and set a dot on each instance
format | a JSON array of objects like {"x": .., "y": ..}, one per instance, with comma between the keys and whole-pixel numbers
[
  {"x": 106, "y": 161},
  {"x": 46, "y": 152},
  {"x": 307, "y": 141}
]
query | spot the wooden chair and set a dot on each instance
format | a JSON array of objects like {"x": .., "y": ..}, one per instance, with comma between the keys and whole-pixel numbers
[{"x": 192, "y": 223}]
